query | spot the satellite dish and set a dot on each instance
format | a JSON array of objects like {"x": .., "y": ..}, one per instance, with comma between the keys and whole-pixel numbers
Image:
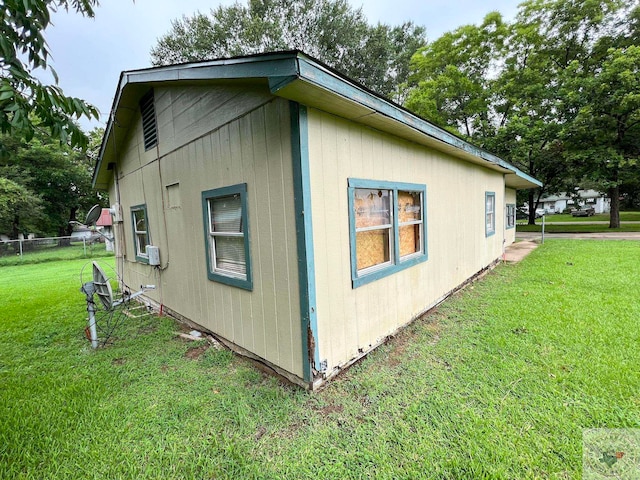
[
  {"x": 93, "y": 215},
  {"x": 102, "y": 286}
]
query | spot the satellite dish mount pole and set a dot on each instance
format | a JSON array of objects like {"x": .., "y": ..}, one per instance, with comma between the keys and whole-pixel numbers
[{"x": 89, "y": 289}]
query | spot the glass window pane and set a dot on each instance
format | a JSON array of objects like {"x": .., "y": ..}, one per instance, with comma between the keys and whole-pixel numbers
[
  {"x": 372, "y": 207},
  {"x": 410, "y": 239},
  {"x": 141, "y": 223},
  {"x": 226, "y": 214},
  {"x": 229, "y": 253},
  {"x": 409, "y": 208},
  {"x": 142, "y": 243},
  {"x": 372, "y": 248}
]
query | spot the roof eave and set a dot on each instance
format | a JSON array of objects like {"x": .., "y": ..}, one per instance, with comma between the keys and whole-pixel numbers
[{"x": 296, "y": 76}]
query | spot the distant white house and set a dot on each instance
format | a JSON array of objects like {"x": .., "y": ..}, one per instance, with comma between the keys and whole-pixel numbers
[{"x": 588, "y": 198}]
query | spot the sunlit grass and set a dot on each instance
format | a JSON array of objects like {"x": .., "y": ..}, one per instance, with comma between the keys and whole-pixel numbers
[
  {"x": 52, "y": 253},
  {"x": 579, "y": 228},
  {"x": 497, "y": 383}
]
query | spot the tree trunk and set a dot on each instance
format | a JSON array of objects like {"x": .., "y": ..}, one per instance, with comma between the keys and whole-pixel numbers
[
  {"x": 532, "y": 208},
  {"x": 14, "y": 227},
  {"x": 614, "y": 216}
]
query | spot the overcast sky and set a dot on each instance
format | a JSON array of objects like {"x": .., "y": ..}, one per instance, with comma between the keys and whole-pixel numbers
[{"x": 89, "y": 54}]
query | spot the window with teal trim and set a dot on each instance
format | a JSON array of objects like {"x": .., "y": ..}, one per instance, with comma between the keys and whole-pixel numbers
[
  {"x": 490, "y": 213},
  {"x": 387, "y": 228},
  {"x": 227, "y": 235},
  {"x": 140, "y": 232},
  {"x": 511, "y": 215}
]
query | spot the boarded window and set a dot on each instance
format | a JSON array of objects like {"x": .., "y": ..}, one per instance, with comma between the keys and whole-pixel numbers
[
  {"x": 410, "y": 222},
  {"x": 373, "y": 227},
  {"x": 387, "y": 227}
]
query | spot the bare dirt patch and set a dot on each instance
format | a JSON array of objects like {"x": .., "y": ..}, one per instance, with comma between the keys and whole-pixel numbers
[
  {"x": 196, "y": 352},
  {"x": 329, "y": 409}
]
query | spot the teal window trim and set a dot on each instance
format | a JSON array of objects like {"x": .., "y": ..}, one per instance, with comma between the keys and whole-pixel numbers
[
  {"x": 140, "y": 257},
  {"x": 489, "y": 222},
  {"x": 396, "y": 263},
  {"x": 511, "y": 216},
  {"x": 217, "y": 276}
]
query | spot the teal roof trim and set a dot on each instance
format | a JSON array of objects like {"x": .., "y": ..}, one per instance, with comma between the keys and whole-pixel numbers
[{"x": 283, "y": 68}]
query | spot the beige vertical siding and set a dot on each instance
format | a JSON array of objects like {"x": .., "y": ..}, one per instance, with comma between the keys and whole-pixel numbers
[
  {"x": 211, "y": 138},
  {"x": 352, "y": 320}
]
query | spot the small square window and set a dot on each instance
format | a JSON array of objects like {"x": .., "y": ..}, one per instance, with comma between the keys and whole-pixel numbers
[
  {"x": 227, "y": 236},
  {"x": 141, "y": 236}
]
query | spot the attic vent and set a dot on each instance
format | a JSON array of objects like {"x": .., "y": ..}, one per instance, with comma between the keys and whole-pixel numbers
[{"x": 149, "y": 126}]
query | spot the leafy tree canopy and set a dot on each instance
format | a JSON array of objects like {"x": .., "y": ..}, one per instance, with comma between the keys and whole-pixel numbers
[
  {"x": 54, "y": 177},
  {"x": 18, "y": 202},
  {"x": 22, "y": 96},
  {"x": 555, "y": 91},
  {"x": 331, "y": 30}
]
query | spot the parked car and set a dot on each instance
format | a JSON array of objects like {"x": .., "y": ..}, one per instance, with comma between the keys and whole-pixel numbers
[{"x": 587, "y": 212}]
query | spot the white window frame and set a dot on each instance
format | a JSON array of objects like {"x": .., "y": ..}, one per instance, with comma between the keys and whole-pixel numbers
[
  {"x": 511, "y": 215},
  {"x": 141, "y": 254},
  {"x": 489, "y": 214}
]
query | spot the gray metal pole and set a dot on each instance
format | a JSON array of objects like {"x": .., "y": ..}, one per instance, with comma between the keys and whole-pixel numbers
[
  {"x": 89, "y": 289},
  {"x": 84, "y": 245},
  {"x": 20, "y": 243},
  {"x": 543, "y": 216}
]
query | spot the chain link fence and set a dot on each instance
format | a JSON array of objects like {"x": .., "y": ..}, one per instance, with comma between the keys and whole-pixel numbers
[{"x": 35, "y": 250}]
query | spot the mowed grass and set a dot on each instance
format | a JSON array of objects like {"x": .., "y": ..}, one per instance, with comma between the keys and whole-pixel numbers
[
  {"x": 602, "y": 217},
  {"x": 579, "y": 228},
  {"x": 54, "y": 253},
  {"x": 498, "y": 382}
]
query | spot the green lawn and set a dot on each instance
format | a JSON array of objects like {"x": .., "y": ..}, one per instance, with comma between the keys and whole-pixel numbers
[
  {"x": 54, "y": 253},
  {"x": 603, "y": 217},
  {"x": 578, "y": 228},
  {"x": 499, "y": 382}
]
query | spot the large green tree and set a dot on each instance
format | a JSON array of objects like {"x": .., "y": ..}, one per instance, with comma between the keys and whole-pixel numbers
[
  {"x": 522, "y": 89},
  {"x": 23, "y": 97},
  {"x": 605, "y": 133},
  {"x": 19, "y": 208},
  {"x": 56, "y": 174},
  {"x": 331, "y": 30}
]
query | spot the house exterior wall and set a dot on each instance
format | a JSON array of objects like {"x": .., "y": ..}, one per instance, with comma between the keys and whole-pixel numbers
[
  {"x": 211, "y": 138},
  {"x": 353, "y": 320}
]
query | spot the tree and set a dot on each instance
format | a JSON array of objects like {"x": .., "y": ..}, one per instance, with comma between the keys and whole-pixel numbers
[
  {"x": 518, "y": 88},
  {"x": 23, "y": 97},
  {"x": 330, "y": 30},
  {"x": 452, "y": 77},
  {"x": 60, "y": 176},
  {"x": 605, "y": 134},
  {"x": 19, "y": 207}
]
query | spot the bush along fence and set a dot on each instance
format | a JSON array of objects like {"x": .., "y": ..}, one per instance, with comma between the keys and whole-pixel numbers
[{"x": 51, "y": 248}]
